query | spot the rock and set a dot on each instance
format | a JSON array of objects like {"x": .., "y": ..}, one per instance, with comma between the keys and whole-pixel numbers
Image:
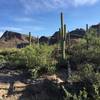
[
  {"x": 3, "y": 94},
  {"x": 44, "y": 39},
  {"x": 12, "y": 39}
]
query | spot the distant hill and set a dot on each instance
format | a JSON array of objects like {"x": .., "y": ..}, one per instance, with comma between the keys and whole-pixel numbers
[
  {"x": 54, "y": 38},
  {"x": 75, "y": 34},
  {"x": 43, "y": 39},
  {"x": 12, "y": 39},
  {"x": 96, "y": 28}
]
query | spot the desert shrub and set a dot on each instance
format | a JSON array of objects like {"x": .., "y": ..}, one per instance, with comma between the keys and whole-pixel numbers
[
  {"x": 39, "y": 59},
  {"x": 2, "y": 58},
  {"x": 16, "y": 60},
  {"x": 80, "y": 54},
  {"x": 9, "y": 56},
  {"x": 90, "y": 80},
  {"x": 8, "y": 51},
  {"x": 83, "y": 94},
  {"x": 2, "y": 61}
]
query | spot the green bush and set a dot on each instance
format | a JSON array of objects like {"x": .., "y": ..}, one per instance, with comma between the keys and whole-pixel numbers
[
  {"x": 80, "y": 54},
  {"x": 39, "y": 58}
]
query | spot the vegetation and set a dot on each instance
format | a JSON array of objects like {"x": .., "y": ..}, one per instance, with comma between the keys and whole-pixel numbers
[
  {"x": 83, "y": 58},
  {"x": 37, "y": 58}
]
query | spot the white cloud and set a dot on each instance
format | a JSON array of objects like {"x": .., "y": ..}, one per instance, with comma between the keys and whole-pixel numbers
[
  {"x": 45, "y": 5},
  {"x": 38, "y": 5},
  {"x": 34, "y": 28},
  {"x": 23, "y": 19},
  {"x": 23, "y": 29},
  {"x": 28, "y": 20},
  {"x": 10, "y": 28},
  {"x": 84, "y": 2}
]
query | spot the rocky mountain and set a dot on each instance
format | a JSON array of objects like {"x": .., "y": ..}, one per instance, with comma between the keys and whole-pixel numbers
[
  {"x": 12, "y": 39},
  {"x": 96, "y": 28},
  {"x": 75, "y": 34},
  {"x": 43, "y": 39},
  {"x": 9, "y": 35},
  {"x": 54, "y": 38}
]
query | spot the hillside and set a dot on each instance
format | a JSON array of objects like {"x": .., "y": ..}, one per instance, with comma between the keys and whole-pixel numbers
[{"x": 12, "y": 39}]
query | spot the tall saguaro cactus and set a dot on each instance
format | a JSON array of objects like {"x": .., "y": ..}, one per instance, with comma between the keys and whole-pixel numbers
[
  {"x": 87, "y": 41},
  {"x": 30, "y": 38},
  {"x": 87, "y": 27},
  {"x": 65, "y": 34},
  {"x": 62, "y": 36}
]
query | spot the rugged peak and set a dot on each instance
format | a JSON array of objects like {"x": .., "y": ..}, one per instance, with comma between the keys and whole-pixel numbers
[
  {"x": 12, "y": 39},
  {"x": 8, "y": 35}
]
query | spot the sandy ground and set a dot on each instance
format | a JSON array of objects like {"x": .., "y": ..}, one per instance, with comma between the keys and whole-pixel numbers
[
  {"x": 16, "y": 85},
  {"x": 12, "y": 84}
]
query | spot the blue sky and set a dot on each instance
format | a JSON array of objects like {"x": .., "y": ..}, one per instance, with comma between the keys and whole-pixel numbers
[{"x": 42, "y": 17}]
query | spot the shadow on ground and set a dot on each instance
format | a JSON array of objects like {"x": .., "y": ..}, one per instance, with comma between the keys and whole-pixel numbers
[{"x": 18, "y": 86}]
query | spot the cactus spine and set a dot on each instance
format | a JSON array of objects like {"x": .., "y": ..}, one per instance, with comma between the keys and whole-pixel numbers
[
  {"x": 62, "y": 36},
  {"x": 30, "y": 38}
]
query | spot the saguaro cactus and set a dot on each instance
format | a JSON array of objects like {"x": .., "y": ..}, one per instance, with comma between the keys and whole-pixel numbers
[
  {"x": 99, "y": 30},
  {"x": 68, "y": 41},
  {"x": 87, "y": 41},
  {"x": 62, "y": 36},
  {"x": 87, "y": 27},
  {"x": 38, "y": 42},
  {"x": 65, "y": 33},
  {"x": 64, "y": 43},
  {"x": 30, "y": 38},
  {"x": 58, "y": 36}
]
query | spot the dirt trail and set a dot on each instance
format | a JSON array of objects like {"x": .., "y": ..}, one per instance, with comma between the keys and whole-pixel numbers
[
  {"x": 12, "y": 83},
  {"x": 16, "y": 85}
]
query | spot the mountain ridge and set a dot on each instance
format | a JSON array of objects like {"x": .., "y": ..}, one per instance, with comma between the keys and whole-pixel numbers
[{"x": 11, "y": 39}]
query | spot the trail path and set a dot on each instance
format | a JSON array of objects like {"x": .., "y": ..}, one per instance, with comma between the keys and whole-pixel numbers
[{"x": 16, "y": 85}]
